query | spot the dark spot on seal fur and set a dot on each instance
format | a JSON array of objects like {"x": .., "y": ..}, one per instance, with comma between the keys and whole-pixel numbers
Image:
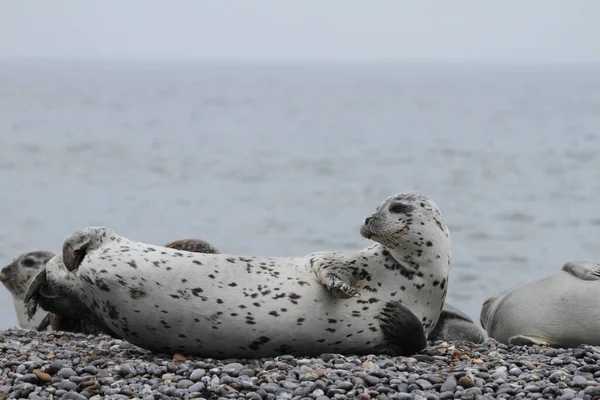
[
  {"x": 197, "y": 290},
  {"x": 132, "y": 264},
  {"x": 101, "y": 285},
  {"x": 111, "y": 310},
  {"x": 136, "y": 293},
  {"x": 285, "y": 349},
  {"x": 197, "y": 262},
  {"x": 219, "y": 301},
  {"x": 294, "y": 297},
  {"x": 258, "y": 343}
]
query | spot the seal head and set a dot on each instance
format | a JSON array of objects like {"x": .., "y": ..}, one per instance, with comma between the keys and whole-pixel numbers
[
  {"x": 17, "y": 276},
  {"x": 394, "y": 219}
]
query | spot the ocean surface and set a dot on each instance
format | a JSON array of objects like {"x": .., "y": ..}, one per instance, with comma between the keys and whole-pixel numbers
[{"x": 288, "y": 159}]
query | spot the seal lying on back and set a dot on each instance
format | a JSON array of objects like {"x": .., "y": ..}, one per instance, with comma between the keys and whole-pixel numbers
[
  {"x": 382, "y": 299},
  {"x": 560, "y": 310},
  {"x": 454, "y": 325},
  {"x": 17, "y": 276},
  {"x": 69, "y": 314}
]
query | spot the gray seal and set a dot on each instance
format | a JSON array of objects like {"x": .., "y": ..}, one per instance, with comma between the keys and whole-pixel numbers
[
  {"x": 16, "y": 277},
  {"x": 454, "y": 325},
  {"x": 559, "y": 310},
  {"x": 383, "y": 299}
]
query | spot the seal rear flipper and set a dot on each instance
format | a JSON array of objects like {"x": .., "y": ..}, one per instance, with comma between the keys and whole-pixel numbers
[
  {"x": 44, "y": 324},
  {"x": 523, "y": 340},
  {"x": 585, "y": 270},
  {"x": 402, "y": 329}
]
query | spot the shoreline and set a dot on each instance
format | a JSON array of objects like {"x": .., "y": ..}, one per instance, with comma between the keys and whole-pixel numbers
[{"x": 74, "y": 366}]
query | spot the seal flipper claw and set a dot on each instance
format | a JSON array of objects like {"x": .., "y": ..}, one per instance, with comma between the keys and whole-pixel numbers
[
  {"x": 524, "y": 340},
  {"x": 340, "y": 289},
  {"x": 402, "y": 329},
  {"x": 585, "y": 270},
  {"x": 337, "y": 277}
]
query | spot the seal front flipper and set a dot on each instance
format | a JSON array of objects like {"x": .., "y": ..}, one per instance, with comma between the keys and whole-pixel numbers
[
  {"x": 339, "y": 288},
  {"x": 585, "y": 270},
  {"x": 523, "y": 340},
  {"x": 33, "y": 291},
  {"x": 402, "y": 329},
  {"x": 337, "y": 277}
]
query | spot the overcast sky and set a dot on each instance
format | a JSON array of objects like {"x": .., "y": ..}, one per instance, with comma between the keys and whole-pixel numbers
[{"x": 461, "y": 30}]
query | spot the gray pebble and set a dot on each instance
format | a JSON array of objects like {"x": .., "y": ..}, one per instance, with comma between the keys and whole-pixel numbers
[
  {"x": 197, "y": 387},
  {"x": 73, "y": 396},
  {"x": 423, "y": 384},
  {"x": 54, "y": 367},
  {"x": 184, "y": 384},
  {"x": 450, "y": 385},
  {"x": 197, "y": 374},
  {"x": 373, "y": 380},
  {"x": 66, "y": 385},
  {"x": 233, "y": 369},
  {"x": 248, "y": 372},
  {"x": 127, "y": 370},
  {"x": 578, "y": 381},
  {"x": 66, "y": 373},
  {"x": 30, "y": 378}
]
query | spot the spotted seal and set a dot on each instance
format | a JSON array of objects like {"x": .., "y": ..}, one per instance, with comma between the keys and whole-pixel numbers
[
  {"x": 70, "y": 315},
  {"x": 559, "y": 310},
  {"x": 382, "y": 299},
  {"x": 454, "y": 325},
  {"x": 16, "y": 277}
]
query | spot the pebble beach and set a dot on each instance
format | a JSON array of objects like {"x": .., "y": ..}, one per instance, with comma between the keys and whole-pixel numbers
[{"x": 59, "y": 365}]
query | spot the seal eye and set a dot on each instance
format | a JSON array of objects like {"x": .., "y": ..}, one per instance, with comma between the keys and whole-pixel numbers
[
  {"x": 28, "y": 262},
  {"x": 401, "y": 208}
]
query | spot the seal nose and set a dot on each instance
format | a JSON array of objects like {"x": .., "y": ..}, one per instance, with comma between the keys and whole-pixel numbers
[{"x": 368, "y": 219}]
